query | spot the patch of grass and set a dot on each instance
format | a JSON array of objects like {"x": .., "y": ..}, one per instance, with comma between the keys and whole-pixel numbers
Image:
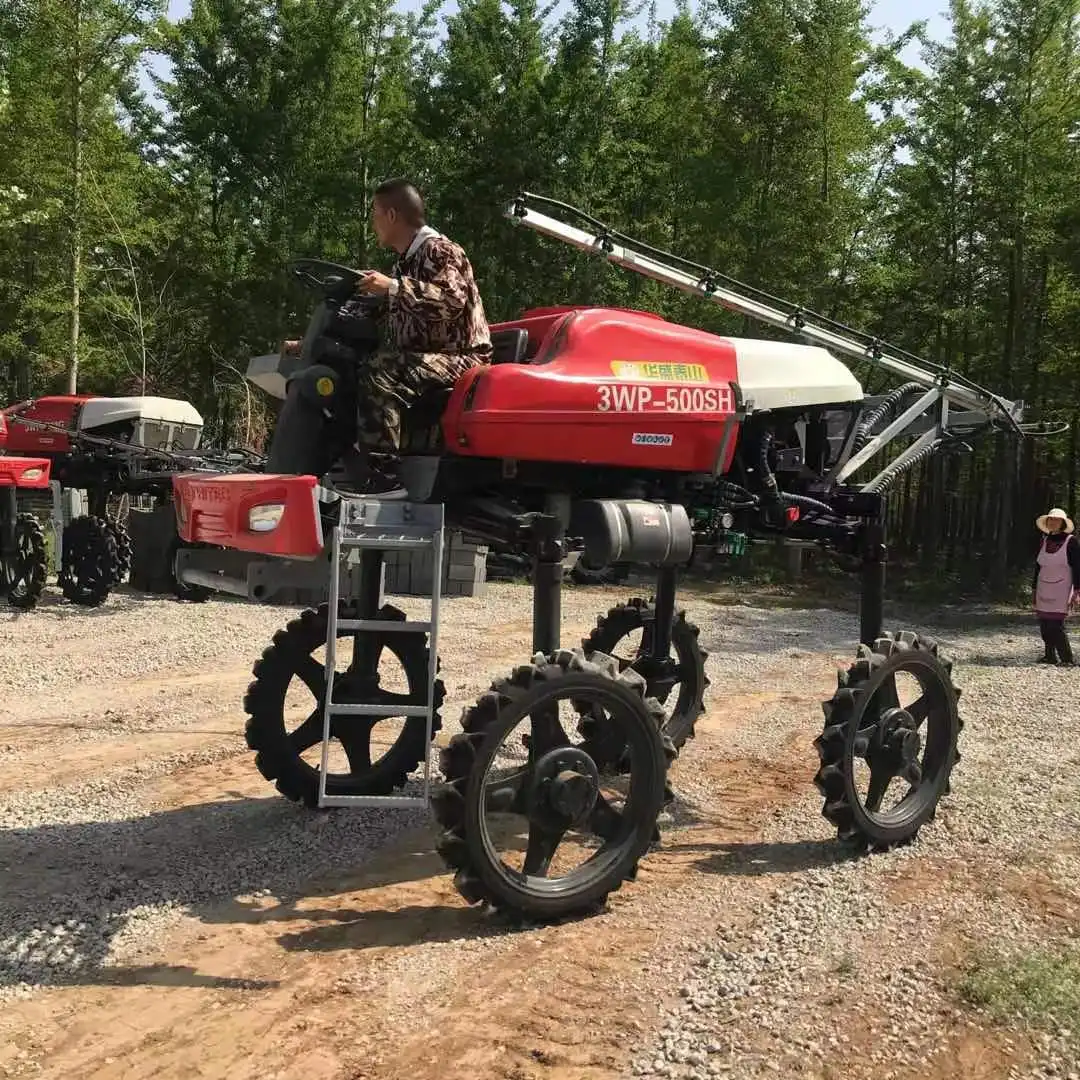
[
  {"x": 1040, "y": 986},
  {"x": 845, "y": 965}
]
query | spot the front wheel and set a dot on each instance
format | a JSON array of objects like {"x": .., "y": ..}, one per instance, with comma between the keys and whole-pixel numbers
[
  {"x": 375, "y": 762},
  {"x": 570, "y": 839},
  {"x": 26, "y": 566},
  {"x": 892, "y": 725}
]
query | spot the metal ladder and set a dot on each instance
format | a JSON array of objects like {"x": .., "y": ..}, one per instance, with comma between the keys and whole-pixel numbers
[{"x": 375, "y": 525}]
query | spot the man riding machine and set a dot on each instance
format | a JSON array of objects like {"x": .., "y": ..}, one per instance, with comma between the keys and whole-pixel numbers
[{"x": 430, "y": 310}]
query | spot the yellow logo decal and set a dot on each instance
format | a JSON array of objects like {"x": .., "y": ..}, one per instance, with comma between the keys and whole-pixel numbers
[
  {"x": 688, "y": 373},
  {"x": 324, "y": 386}
]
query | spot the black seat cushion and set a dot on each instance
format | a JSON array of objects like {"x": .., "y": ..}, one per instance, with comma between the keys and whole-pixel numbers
[{"x": 509, "y": 346}]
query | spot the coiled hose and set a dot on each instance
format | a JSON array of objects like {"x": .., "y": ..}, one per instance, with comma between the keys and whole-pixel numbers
[
  {"x": 890, "y": 474},
  {"x": 885, "y": 409}
]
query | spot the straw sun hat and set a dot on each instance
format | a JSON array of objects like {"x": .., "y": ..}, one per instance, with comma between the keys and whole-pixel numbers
[{"x": 1042, "y": 522}]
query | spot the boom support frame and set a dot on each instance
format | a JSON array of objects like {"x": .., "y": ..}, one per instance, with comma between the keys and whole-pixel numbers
[{"x": 945, "y": 387}]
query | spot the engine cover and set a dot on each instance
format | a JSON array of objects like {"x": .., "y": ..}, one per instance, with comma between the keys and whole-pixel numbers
[
  {"x": 58, "y": 411},
  {"x": 606, "y": 386},
  {"x": 617, "y": 530}
]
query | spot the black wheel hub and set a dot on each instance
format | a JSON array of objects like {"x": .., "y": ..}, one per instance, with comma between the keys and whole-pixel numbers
[
  {"x": 900, "y": 743},
  {"x": 661, "y": 674},
  {"x": 563, "y": 789},
  {"x": 893, "y": 745}
]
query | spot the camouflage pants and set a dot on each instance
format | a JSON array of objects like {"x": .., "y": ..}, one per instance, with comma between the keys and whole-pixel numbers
[{"x": 390, "y": 382}]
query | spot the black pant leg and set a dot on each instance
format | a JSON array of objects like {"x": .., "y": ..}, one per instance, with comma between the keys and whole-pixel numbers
[
  {"x": 1046, "y": 631},
  {"x": 1064, "y": 646},
  {"x": 306, "y": 441}
]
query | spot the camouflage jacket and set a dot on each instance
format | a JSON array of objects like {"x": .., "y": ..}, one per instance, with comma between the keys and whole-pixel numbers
[{"x": 436, "y": 306}]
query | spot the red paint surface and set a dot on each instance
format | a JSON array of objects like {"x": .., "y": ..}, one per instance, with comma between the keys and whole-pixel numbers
[
  {"x": 13, "y": 472},
  {"x": 214, "y": 510}
]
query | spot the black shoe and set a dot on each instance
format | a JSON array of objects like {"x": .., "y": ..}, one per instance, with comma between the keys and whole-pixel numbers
[
  {"x": 381, "y": 486},
  {"x": 1046, "y": 659}
]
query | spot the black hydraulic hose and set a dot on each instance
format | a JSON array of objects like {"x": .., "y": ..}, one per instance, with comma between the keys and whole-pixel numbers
[
  {"x": 805, "y": 502},
  {"x": 768, "y": 480},
  {"x": 735, "y": 496},
  {"x": 772, "y": 490},
  {"x": 887, "y": 408}
]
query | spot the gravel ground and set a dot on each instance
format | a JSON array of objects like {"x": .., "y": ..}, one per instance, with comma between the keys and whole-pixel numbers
[
  {"x": 818, "y": 966},
  {"x": 765, "y": 999}
]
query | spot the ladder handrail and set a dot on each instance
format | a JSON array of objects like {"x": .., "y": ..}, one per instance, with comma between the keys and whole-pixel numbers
[{"x": 747, "y": 300}]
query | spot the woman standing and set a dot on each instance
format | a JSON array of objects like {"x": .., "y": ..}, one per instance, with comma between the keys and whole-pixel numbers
[{"x": 1056, "y": 584}]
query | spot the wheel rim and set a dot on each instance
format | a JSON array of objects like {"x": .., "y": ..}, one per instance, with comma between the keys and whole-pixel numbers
[
  {"x": 898, "y": 739},
  {"x": 353, "y": 734},
  {"x": 558, "y": 768}
]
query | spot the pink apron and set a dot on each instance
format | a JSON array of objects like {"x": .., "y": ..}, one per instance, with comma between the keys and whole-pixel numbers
[{"x": 1054, "y": 589}]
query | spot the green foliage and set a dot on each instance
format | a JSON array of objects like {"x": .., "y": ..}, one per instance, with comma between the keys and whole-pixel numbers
[{"x": 770, "y": 139}]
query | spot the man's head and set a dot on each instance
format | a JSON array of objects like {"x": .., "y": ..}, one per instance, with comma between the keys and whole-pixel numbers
[{"x": 397, "y": 211}]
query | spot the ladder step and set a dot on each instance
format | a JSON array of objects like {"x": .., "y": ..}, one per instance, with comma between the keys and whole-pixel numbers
[
  {"x": 388, "y": 543},
  {"x": 375, "y": 801},
  {"x": 378, "y": 710},
  {"x": 384, "y": 624}
]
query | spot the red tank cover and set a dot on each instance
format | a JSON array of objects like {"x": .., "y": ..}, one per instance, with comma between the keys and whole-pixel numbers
[
  {"x": 60, "y": 410},
  {"x": 603, "y": 386}
]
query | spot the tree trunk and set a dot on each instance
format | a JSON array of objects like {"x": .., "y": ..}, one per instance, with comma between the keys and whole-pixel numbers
[{"x": 75, "y": 264}]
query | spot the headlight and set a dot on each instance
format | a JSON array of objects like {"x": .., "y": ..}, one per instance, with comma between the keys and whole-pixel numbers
[
  {"x": 265, "y": 518},
  {"x": 31, "y": 475},
  {"x": 727, "y": 520}
]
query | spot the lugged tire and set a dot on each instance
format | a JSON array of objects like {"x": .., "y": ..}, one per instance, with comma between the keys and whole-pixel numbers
[
  {"x": 264, "y": 703},
  {"x": 123, "y": 550},
  {"x": 456, "y": 803},
  {"x": 637, "y": 614},
  {"x": 29, "y": 538},
  {"x": 195, "y": 594},
  {"x": 88, "y": 564},
  {"x": 842, "y": 806}
]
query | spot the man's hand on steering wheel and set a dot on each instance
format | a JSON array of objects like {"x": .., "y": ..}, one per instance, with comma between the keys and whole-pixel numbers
[{"x": 373, "y": 284}]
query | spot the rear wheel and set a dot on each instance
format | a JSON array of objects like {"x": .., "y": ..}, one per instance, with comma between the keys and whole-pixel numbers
[
  {"x": 88, "y": 565},
  {"x": 892, "y": 726},
  {"x": 123, "y": 550},
  {"x": 677, "y": 682},
  {"x": 584, "y": 572},
  {"x": 196, "y": 594}
]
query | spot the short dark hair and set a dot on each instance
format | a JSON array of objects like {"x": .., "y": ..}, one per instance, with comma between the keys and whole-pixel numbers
[{"x": 402, "y": 196}]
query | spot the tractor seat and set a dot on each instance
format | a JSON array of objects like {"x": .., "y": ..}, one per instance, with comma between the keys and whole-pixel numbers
[
  {"x": 509, "y": 346},
  {"x": 422, "y": 423}
]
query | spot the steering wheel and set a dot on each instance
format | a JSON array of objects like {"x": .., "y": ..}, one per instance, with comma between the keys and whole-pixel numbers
[{"x": 334, "y": 281}]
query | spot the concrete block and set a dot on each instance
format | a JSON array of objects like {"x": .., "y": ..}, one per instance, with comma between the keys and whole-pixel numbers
[{"x": 464, "y": 566}]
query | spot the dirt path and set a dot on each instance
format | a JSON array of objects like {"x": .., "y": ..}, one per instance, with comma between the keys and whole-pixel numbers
[
  {"x": 386, "y": 973},
  {"x": 177, "y": 918}
]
